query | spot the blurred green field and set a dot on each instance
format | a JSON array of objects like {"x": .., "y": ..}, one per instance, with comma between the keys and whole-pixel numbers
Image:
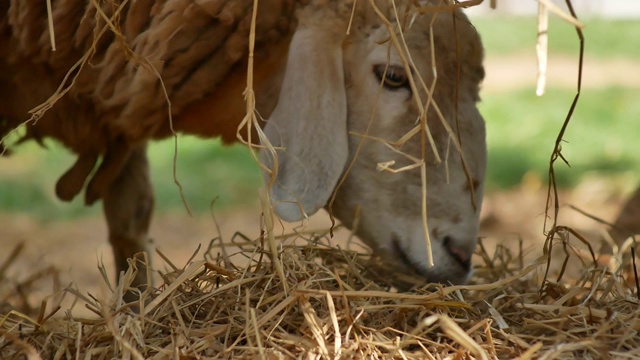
[
  {"x": 522, "y": 128},
  {"x": 211, "y": 175},
  {"x": 603, "y": 38},
  {"x": 601, "y": 139}
]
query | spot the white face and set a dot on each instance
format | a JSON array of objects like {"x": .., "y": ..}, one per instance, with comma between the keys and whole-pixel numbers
[{"x": 390, "y": 205}]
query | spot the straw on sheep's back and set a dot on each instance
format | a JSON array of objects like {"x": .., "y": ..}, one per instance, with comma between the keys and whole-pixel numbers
[{"x": 115, "y": 98}]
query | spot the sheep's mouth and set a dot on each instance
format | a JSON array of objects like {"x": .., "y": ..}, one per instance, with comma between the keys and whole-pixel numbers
[
  {"x": 410, "y": 264},
  {"x": 455, "y": 276}
]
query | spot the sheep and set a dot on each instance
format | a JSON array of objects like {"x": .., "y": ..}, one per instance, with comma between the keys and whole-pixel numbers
[{"x": 330, "y": 99}]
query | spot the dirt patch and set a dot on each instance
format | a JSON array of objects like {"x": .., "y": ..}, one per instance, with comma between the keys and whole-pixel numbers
[
  {"x": 77, "y": 247},
  {"x": 520, "y": 71}
]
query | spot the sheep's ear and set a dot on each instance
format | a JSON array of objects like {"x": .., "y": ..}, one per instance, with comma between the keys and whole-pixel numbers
[{"x": 308, "y": 127}]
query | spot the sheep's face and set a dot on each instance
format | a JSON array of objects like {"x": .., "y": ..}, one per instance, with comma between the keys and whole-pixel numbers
[
  {"x": 389, "y": 205},
  {"x": 385, "y": 207}
]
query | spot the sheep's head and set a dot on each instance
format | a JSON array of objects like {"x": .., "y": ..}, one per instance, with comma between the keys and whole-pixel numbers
[{"x": 345, "y": 106}]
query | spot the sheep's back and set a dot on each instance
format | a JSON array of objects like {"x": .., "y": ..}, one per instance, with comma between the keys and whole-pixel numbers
[{"x": 137, "y": 57}]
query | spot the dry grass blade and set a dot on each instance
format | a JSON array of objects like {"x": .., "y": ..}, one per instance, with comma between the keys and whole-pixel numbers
[
  {"x": 635, "y": 272},
  {"x": 189, "y": 272},
  {"x": 28, "y": 350},
  {"x": 11, "y": 257},
  {"x": 541, "y": 47},
  {"x": 568, "y": 17},
  {"x": 52, "y": 36},
  {"x": 456, "y": 333}
]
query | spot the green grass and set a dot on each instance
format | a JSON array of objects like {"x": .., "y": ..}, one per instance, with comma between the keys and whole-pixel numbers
[
  {"x": 602, "y": 136},
  {"x": 521, "y": 128},
  {"x": 207, "y": 170},
  {"x": 604, "y": 39}
]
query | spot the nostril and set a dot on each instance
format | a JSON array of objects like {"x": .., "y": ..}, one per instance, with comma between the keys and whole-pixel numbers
[{"x": 459, "y": 254}]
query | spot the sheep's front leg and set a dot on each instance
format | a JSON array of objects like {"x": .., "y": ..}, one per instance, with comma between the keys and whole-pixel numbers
[{"x": 128, "y": 205}]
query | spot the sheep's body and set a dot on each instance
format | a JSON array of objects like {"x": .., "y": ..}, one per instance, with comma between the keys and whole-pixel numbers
[
  {"x": 628, "y": 221},
  {"x": 199, "y": 49},
  {"x": 115, "y": 101},
  {"x": 194, "y": 45}
]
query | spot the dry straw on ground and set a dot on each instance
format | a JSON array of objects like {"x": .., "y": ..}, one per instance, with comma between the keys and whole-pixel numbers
[{"x": 334, "y": 303}]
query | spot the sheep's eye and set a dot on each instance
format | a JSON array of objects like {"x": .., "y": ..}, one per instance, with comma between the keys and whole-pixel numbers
[{"x": 394, "y": 78}]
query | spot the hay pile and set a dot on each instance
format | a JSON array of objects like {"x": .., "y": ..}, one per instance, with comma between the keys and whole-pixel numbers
[{"x": 334, "y": 303}]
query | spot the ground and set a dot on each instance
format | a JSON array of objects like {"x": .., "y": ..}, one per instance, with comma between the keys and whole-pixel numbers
[{"x": 75, "y": 247}]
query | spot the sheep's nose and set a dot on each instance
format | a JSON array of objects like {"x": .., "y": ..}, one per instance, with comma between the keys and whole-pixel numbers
[{"x": 462, "y": 254}]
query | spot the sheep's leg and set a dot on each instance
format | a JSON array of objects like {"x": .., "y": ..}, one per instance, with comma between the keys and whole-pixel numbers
[
  {"x": 628, "y": 221},
  {"x": 128, "y": 205}
]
